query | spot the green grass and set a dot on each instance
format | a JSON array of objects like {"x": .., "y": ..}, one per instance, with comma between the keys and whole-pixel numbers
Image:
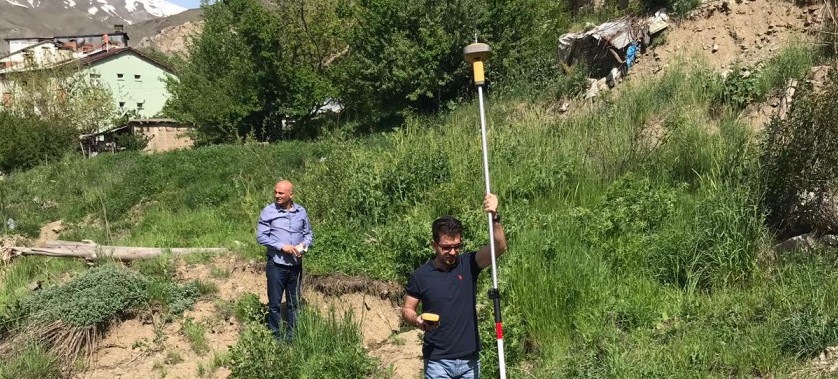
[
  {"x": 323, "y": 347},
  {"x": 195, "y": 333},
  {"x": 636, "y": 241},
  {"x": 17, "y": 278},
  {"x": 34, "y": 362}
]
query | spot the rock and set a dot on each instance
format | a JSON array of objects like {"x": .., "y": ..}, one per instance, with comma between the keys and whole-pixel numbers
[
  {"x": 602, "y": 84},
  {"x": 715, "y": 48},
  {"x": 36, "y": 285},
  {"x": 804, "y": 242},
  {"x": 593, "y": 89}
]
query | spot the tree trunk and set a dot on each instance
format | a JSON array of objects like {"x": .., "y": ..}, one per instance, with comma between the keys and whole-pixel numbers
[{"x": 92, "y": 251}]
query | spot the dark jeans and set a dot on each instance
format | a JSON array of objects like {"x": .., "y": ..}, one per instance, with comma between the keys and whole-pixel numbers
[{"x": 288, "y": 279}]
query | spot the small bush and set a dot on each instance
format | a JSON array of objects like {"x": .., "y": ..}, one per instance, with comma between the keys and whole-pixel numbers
[
  {"x": 91, "y": 298},
  {"x": 171, "y": 297},
  {"x": 739, "y": 89},
  {"x": 799, "y": 158},
  {"x": 26, "y": 142},
  {"x": 131, "y": 142},
  {"x": 249, "y": 308}
]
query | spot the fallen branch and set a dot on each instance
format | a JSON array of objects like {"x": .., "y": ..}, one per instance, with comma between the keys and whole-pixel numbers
[{"x": 91, "y": 251}]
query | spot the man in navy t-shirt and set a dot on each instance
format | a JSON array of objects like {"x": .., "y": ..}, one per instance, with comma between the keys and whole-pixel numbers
[{"x": 447, "y": 286}]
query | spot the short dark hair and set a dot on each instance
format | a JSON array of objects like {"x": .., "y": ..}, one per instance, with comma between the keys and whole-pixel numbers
[{"x": 448, "y": 226}]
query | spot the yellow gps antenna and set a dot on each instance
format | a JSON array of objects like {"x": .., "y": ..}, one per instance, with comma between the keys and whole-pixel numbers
[{"x": 477, "y": 53}]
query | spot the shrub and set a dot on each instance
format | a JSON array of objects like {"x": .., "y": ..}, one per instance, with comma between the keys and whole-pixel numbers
[
  {"x": 249, "y": 308},
  {"x": 172, "y": 297},
  {"x": 739, "y": 89},
  {"x": 26, "y": 142},
  {"x": 68, "y": 319},
  {"x": 93, "y": 297},
  {"x": 799, "y": 158}
]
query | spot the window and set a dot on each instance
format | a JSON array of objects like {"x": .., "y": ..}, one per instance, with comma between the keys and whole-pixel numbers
[
  {"x": 121, "y": 105},
  {"x": 96, "y": 79},
  {"x": 137, "y": 77},
  {"x": 120, "y": 76},
  {"x": 139, "y": 106}
]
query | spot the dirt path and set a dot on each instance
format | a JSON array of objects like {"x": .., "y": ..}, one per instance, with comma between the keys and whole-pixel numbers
[{"x": 150, "y": 349}]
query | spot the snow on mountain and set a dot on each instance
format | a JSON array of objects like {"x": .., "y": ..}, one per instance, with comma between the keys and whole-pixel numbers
[
  {"x": 129, "y": 10},
  {"x": 159, "y": 8}
]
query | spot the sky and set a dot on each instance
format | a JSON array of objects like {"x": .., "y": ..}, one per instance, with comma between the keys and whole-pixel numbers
[{"x": 189, "y": 4}]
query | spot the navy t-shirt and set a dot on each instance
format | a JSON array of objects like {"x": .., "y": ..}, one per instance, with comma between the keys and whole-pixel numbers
[{"x": 452, "y": 295}]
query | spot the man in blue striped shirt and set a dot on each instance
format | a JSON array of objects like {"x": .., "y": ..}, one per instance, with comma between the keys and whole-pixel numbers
[{"x": 284, "y": 229}]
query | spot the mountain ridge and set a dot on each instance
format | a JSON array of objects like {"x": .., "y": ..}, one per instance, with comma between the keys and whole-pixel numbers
[{"x": 39, "y": 18}]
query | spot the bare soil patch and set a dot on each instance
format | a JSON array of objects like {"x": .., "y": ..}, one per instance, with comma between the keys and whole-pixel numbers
[
  {"x": 139, "y": 348},
  {"x": 728, "y": 32}
]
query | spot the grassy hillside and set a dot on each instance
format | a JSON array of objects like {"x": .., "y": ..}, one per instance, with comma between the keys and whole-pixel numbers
[{"x": 636, "y": 244}]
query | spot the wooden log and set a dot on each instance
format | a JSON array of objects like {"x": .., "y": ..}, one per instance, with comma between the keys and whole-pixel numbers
[{"x": 92, "y": 251}]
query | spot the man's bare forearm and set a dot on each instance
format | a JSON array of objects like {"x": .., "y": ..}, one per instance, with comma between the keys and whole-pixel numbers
[{"x": 410, "y": 316}]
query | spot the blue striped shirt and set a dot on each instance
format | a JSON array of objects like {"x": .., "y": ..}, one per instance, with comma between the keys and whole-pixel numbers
[{"x": 278, "y": 226}]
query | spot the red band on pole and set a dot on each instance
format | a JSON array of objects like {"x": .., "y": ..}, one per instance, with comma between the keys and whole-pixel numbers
[{"x": 499, "y": 330}]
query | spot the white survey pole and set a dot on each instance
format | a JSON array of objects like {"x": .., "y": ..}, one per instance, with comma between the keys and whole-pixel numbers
[{"x": 476, "y": 53}]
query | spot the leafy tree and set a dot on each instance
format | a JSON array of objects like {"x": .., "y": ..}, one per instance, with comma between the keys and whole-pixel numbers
[
  {"x": 408, "y": 55},
  {"x": 62, "y": 94},
  {"x": 256, "y": 66},
  {"x": 27, "y": 141},
  {"x": 48, "y": 109}
]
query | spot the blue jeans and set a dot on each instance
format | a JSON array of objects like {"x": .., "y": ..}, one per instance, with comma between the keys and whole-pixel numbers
[
  {"x": 466, "y": 368},
  {"x": 287, "y": 279}
]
